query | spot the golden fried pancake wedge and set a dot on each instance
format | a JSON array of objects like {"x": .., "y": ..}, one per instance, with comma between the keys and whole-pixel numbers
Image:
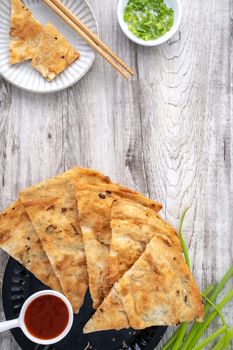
[
  {"x": 20, "y": 240},
  {"x": 52, "y": 208},
  {"x": 133, "y": 225},
  {"x": 159, "y": 289},
  {"x": 54, "y": 53},
  {"x": 25, "y": 32},
  {"x": 95, "y": 203}
]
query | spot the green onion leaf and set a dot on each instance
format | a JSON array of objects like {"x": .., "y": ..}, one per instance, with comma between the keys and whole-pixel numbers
[
  {"x": 210, "y": 339},
  {"x": 148, "y": 19}
]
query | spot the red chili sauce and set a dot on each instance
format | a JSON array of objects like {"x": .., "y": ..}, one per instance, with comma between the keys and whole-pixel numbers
[{"x": 46, "y": 317}]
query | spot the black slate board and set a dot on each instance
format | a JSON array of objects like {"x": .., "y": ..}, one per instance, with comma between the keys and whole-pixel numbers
[{"x": 19, "y": 284}]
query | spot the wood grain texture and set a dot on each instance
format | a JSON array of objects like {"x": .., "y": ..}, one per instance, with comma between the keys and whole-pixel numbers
[{"x": 168, "y": 132}]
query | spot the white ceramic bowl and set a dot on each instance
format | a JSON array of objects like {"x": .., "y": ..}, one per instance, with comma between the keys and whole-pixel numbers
[{"x": 174, "y": 4}]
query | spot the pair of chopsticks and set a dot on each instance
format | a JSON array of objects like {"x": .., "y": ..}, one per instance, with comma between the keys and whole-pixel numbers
[{"x": 89, "y": 37}]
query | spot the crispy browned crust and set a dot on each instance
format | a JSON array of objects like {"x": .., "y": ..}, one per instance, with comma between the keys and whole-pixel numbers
[
  {"x": 133, "y": 225},
  {"x": 95, "y": 202},
  {"x": 83, "y": 176},
  {"x": 54, "y": 53},
  {"x": 111, "y": 308},
  {"x": 20, "y": 240},
  {"x": 95, "y": 194},
  {"x": 25, "y": 33},
  {"x": 52, "y": 208},
  {"x": 97, "y": 254},
  {"x": 96, "y": 180},
  {"x": 158, "y": 290}
]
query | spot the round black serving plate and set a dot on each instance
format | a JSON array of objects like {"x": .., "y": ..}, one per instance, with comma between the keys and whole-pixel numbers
[{"x": 19, "y": 284}]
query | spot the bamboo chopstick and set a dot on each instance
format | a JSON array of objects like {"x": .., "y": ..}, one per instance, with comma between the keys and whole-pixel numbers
[
  {"x": 89, "y": 37},
  {"x": 94, "y": 37}
]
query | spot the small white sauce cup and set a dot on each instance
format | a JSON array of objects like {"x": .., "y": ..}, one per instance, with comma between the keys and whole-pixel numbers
[
  {"x": 4, "y": 326},
  {"x": 174, "y": 4}
]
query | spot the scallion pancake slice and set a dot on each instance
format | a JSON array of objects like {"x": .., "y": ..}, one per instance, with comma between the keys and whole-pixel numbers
[
  {"x": 19, "y": 239},
  {"x": 54, "y": 54},
  {"x": 158, "y": 290},
  {"x": 133, "y": 225},
  {"x": 25, "y": 32},
  {"x": 52, "y": 208}
]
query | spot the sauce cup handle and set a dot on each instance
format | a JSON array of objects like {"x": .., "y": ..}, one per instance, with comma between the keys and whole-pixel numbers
[{"x": 5, "y": 326}]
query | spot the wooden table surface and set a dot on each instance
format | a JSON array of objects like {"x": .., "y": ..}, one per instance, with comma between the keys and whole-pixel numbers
[{"x": 168, "y": 132}]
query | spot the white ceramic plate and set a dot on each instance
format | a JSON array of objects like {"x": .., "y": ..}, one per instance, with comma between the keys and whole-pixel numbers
[{"x": 26, "y": 77}]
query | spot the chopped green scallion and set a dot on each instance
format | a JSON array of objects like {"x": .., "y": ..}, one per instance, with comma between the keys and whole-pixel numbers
[{"x": 148, "y": 19}]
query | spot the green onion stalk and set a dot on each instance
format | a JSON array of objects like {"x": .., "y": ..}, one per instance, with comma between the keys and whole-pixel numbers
[
  {"x": 221, "y": 343},
  {"x": 212, "y": 298},
  {"x": 203, "y": 326},
  {"x": 210, "y": 339},
  {"x": 183, "y": 328},
  {"x": 178, "y": 341}
]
